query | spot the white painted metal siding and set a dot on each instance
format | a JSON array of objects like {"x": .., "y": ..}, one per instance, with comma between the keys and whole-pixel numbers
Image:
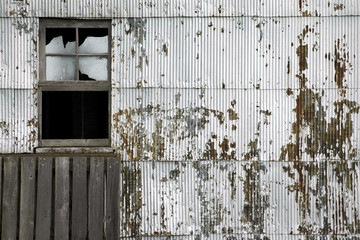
[
  {"x": 168, "y": 8},
  {"x": 232, "y": 118}
]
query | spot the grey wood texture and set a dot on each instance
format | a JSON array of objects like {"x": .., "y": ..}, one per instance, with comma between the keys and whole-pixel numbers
[
  {"x": 79, "y": 199},
  {"x": 27, "y": 198},
  {"x": 10, "y": 199},
  {"x": 96, "y": 198},
  {"x": 62, "y": 191},
  {"x": 43, "y": 203},
  {"x": 1, "y": 161},
  {"x": 112, "y": 199}
]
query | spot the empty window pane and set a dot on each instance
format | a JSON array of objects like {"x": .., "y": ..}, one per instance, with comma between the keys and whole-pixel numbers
[
  {"x": 60, "y": 40},
  {"x": 93, "y": 40},
  {"x": 75, "y": 115},
  {"x": 60, "y": 68},
  {"x": 93, "y": 68}
]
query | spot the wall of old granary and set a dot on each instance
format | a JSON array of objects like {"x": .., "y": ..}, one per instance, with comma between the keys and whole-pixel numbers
[{"x": 232, "y": 117}]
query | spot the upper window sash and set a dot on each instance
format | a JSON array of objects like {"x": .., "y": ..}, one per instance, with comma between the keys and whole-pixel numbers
[{"x": 68, "y": 63}]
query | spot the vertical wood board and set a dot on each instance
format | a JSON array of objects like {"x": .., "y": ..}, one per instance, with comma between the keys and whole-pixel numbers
[
  {"x": 43, "y": 203},
  {"x": 112, "y": 199},
  {"x": 79, "y": 198},
  {"x": 10, "y": 199},
  {"x": 62, "y": 191},
  {"x": 96, "y": 198},
  {"x": 27, "y": 198}
]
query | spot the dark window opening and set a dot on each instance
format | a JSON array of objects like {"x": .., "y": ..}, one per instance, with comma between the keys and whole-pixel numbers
[
  {"x": 67, "y": 34},
  {"x": 91, "y": 32},
  {"x": 75, "y": 115},
  {"x": 83, "y": 76}
]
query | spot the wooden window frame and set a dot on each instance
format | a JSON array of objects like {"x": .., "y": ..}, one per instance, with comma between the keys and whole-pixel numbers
[{"x": 72, "y": 85}]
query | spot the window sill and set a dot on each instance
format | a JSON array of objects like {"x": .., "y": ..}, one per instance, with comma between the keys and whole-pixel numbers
[{"x": 76, "y": 150}]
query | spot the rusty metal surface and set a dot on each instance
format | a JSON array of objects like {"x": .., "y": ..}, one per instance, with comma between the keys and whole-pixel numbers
[
  {"x": 233, "y": 198},
  {"x": 178, "y": 124},
  {"x": 167, "y": 8}
]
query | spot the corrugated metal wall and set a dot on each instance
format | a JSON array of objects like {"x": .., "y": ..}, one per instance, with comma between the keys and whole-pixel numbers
[
  {"x": 207, "y": 81},
  {"x": 167, "y": 8},
  {"x": 18, "y": 84},
  {"x": 235, "y": 119}
]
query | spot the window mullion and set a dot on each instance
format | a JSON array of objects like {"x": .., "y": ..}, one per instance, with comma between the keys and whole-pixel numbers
[
  {"x": 77, "y": 54},
  {"x": 82, "y": 115}
]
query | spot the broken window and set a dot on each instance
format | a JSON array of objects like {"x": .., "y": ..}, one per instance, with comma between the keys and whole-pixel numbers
[{"x": 74, "y": 83}]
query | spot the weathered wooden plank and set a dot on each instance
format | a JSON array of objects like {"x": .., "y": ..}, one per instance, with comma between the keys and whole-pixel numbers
[
  {"x": 43, "y": 203},
  {"x": 1, "y": 161},
  {"x": 96, "y": 198},
  {"x": 10, "y": 198},
  {"x": 79, "y": 199},
  {"x": 112, "y": 199},
  {"x": 27, "y": 198},
  {"x": 62, "y": 191}
]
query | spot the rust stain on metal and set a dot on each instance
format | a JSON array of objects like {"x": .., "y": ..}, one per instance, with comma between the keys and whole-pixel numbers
[
  {"x": 134, "y": 140},
  {"x": 232, "y": 180},
  {"x": 33, "y": 124},
  {"x": 174, "y": 174},
  {"x": 255, "y": 202},
  {"x": 130, "y": 133},
  {"x": 301, "y": 4},
  {"x": 306, "y": 13},
  {"x": 4, "y": 126},
  {"x": 232, "y": 114},
  {"x": 341, "y": 61},
  {"x": 20, "y": 10},
  {"x": 177, "y": 98},
  {"x": 314, "y": 133},
  {"x": 339, "y": 7},
  {"x": 165, "y": 49},
  {"x": 228, "y": 149},
  {"x": 289, "y": 92},
  {"x": 131, "y": 199},
  {"x": 259, "y": 26},
  {"x": 137, "y": 28},
  {"x": 133, "y": 52},
  {"x": 158, "y": 146}
]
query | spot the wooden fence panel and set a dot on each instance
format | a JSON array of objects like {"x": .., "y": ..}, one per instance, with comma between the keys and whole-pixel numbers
[
  {"x": 96, "y": 198},
  {"x": 27, "y": 198},
  {"x": 10, "y": 198},
  {"x": 79, "y": 199},
  {"x": 43, "y": 203},
  {"x": 62, "y": 191},
  {"x": 45, "y": 211},
  {"x": 112, "y": 199}
]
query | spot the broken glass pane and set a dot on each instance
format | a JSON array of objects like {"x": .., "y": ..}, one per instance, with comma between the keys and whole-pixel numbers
[
  {"x": 93, "y": 40},
  {"x": 60, "y": 68},
  {"x": 60, "y": 40},
  {"x": 93, "y": 68}
]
